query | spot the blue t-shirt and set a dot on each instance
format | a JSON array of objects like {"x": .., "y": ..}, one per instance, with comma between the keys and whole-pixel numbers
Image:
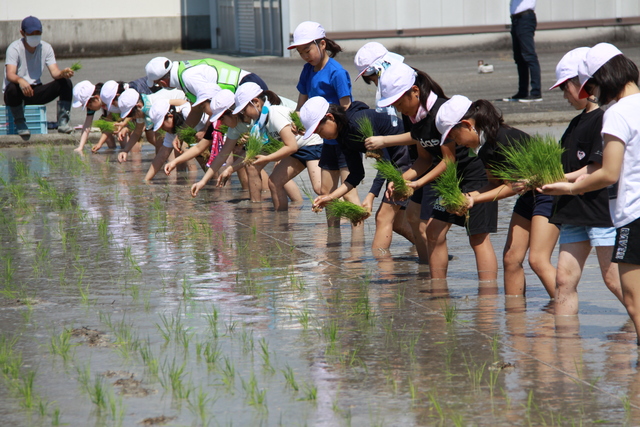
[{"x": 331, "y": 83}]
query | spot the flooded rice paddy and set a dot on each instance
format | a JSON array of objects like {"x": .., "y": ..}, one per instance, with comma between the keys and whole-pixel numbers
[{"x": 125, "y": 303}]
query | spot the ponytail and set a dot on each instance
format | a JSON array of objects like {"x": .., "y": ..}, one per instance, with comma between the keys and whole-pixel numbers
[
  {"x": 487, "y": 117},
  {"x": 427, "y": 85},
  {"x": 178, "y": 119},
  {"x": 332, "y": 47},
  {"x": 96, "y": 91},
  {"x": 270, "y": 96}
]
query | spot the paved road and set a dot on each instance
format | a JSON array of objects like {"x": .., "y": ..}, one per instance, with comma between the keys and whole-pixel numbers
[{"x": 456, "y": 73}]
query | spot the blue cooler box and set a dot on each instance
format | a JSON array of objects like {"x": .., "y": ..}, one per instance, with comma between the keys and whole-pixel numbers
[{"x": 35, "y": 115}]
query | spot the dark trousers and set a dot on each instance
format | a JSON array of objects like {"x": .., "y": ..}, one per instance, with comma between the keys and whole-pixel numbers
[
  {"x": 523, "y": 28},
  {"x": 42, "y": 94}
]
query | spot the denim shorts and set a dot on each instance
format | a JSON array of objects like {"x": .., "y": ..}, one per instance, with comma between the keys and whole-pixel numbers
[
  {"x": 308, "y": 153},
  {"x": 597, "y": 236}
]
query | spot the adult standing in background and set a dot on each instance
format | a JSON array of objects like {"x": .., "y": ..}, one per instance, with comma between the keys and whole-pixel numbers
[
  {"x": 523, "y": 28},
  {"x": 25, "y": 61}
]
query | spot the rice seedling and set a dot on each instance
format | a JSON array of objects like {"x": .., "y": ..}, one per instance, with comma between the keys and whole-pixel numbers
[
  {"x": 252, "y": 148},
  {"x": 343, "y": 209},
  {"x": 187, "y": 135},
  {"x": 10, "y": 360},
  {"x": 212, "y": 354},
  {"x": 266, "y": 356},
  {"x": 223, "y": 129},
  {"x": 76, "y": 66},
  {"x": 198, "y": 404},
  {"x": 126, "y": 341},
  {"x": 116, "y": 408},
  {"x": 474, "y": 371},
  {"x": 309, "y": 392},
  {"x": 304, "y": 317},
  {"x": 289, "y": 377},
  {"x": 175, "y": 378},
  {"x": 105, "y": 126},
  {"x": 61, "y": 345},
  {"x": 248, "y": 343},
  {"x": 212, "y": 321},
  {"x": 535, "y": 161},
  {"x": 330, "y": 332},
  {"x": 254, "y": 396},
  {"x": 450, "y": 311},
  {"x": 436, "y": 405},
  {"x": 131, "y": 125},
  {"x": 297, "y": 123},
  {"x": 388, "y": 171},
  {"x": 228, "y": 372},
  {"x": 151, "y": 362},
  {"x": 55, "y": 417},
  {"x": 272, "y": 146},
  {"x": 365, "y": 130},
  {"x": 447, "y": 187},
  {"x": 98, "y": 393},
  {"x": 187, "y": 291},
  {"x": 25, "y": 390}
]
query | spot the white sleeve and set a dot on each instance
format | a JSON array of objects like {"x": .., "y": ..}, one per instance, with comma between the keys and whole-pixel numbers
[{"x": 202, "y": 81}]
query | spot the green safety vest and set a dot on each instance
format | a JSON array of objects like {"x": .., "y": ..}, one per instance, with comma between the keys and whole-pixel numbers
[{"x": 228, "y": 75}]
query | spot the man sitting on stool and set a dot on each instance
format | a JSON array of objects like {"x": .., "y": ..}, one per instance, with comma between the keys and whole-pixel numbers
[{"x": 25, "y": 61}]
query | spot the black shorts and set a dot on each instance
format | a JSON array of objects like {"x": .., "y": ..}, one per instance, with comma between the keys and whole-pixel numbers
[
  {"x": 332, "y": 157},
  {"x": 483, "y": 218},
  {"x": 627, "y": 246},
  {"x": 402, "y": 203},
  {"x": 428, "y": 200},
  {"x": 308, "y": 153},
  {"x": 531, "y": 204}
]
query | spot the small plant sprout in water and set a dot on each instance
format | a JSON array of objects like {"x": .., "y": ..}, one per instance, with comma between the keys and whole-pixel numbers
[
  {"x": 391, "y": 173},
  {"x": 450, "y": 311},
  {"x": 289, "y": 377},
  {"x": 447, "y": 187},
  {"x": 365, "y": 130},
  {"x": 61, "y": 345},
  {"x": 344, "y": 209},
  {"x": 536, "y": 161}
]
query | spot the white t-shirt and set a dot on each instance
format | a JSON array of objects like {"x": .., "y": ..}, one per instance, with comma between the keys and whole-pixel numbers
[
  {"x": 30, "y": 65},
  {"x": 621, "y": 121},
  {"x": 279, "y": 117},
  {"x": 517, "y": 6}
]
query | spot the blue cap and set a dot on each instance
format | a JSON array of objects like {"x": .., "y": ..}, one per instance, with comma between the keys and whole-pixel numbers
[{"x": 31, "y": 24}]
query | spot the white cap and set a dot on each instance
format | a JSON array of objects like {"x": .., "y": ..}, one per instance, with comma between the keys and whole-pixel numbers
[
  {"x": 244, "y": 94},
  {"x": 108, "y": 92},
  {"x": 597, "y": 56},
  {"x": 367, "y": 55},
  {"x": 207, "y": 93},
  {"x": 127, "y": 100},
  {"x": 311, "y": 113},
  {"x": 220, "y": 103},
  {"x": 394, "y": 82},
  {"x": 305, "y": 33},
  {"x": 82, "y": 92},
  {"x": 157, "y": 68},
  {"x": 567, "y": 68},
  {"x": 450, "y": 114},
  {"x": 158, "y": 111}
]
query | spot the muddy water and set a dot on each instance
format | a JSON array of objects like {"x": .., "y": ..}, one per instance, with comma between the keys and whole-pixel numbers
[{"x": 129, "y": 303}]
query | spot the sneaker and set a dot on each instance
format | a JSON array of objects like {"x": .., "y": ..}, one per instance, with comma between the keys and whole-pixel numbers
[
  {"x": 22, "y": 129},
  {"x": 515, "y": 98},
  {"x": 531, "y": 98}
]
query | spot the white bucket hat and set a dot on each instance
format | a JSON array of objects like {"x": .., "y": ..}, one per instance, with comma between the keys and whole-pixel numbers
[
  {"x": 244, "y": 94},
  {"x": 127, "y": 100},
  {"x": 450, "y": 114},
  {"x": 220, "y": 103},
  {"x": 307, "y": 32},
  {"x": 82, "y": 93},
  {"x": 394, "y": 82},
  {"x": 597, "y": 56},
  {"x": 158, "y": 112},
  {"x": 311, "y": 113},
  {"x": 108, "y": 92},
  {"x": 568, "y": 66},
  {"x": 157, "y": 68}
]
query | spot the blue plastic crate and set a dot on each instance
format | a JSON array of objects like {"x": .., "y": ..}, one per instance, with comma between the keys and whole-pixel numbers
[{"x": 35, "y": 115}]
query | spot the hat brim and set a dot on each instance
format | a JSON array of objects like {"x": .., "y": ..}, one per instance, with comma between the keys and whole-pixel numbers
[
  {"x": 385, "y": 102},
  {"x": 76, "y": 104},
  {"x": 312, "y": 129},
  {"x": 151, "y": 82},
  {"x": 559, "y": 82},
  {"x": 300, "y": 43},
  {"x": 125, "y": 113},
  {"x": 240, "y": 107},
  {"x": 445, "y": 135},
  {"x": 216, "y": 116}
]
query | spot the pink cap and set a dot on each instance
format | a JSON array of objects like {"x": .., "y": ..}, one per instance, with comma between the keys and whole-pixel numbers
[
  {"x": 244, "y": 94},
  {"x": 568, "y": 66},
  {"x": 367, "y": 55},
  {"x": 450, "y": 114}
]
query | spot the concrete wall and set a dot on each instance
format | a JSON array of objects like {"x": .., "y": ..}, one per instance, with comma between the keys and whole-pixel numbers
[{"x": 81, "y": 28}]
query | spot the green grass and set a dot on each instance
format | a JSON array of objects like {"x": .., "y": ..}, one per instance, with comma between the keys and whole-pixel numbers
[
  {"x": 187, "y": 135},
  {"x": 297, "y": 123},
  {"x": 447, "y": 187},
  {"x": 535, "y": 161},
  {"x": 252, "y": 148},
  {"x": 343, "y": 209},
  {"x": 76, "y": 66},
  {"x": 389, "y": 172}
]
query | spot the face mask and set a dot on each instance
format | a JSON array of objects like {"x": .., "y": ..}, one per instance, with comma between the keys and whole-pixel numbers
[
  {"x": 33, "y": 41},
  {"x": 482, "y": 140}
]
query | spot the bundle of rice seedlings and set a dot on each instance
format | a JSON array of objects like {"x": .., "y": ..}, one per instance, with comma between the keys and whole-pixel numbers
[
  {"x": 535, "y": 161},
  {"x": 389, "y": 172},
  {"x": 447, "y": 187},
  {"x": 160, "y": 133},
  {"x": 365, "y": 130},
  {"x": 272, "y": 146},
  {"x": 242, "y": 139},
  {"x": 105, "y": 126},
  {"x": 223, "y": 129},
  {"x": 187, "y": 134},
  {"x": 131, "y": 125},
  {"x": 343, "y": 209},
  {"x": 295, "y": 118},
  {"x": 76, "y": 66},
  {"x": 310, "y": 196},
  {"x": 252, "y": 148}
]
